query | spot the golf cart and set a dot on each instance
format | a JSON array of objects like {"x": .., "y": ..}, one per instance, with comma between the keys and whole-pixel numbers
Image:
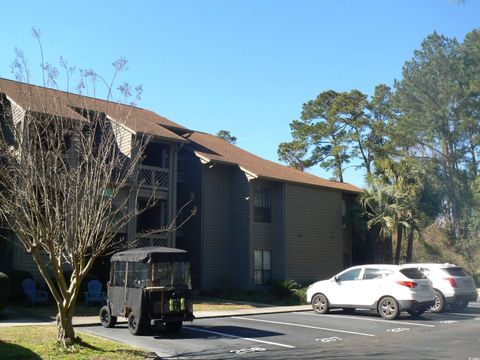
[{"x": 149, "y": 286}]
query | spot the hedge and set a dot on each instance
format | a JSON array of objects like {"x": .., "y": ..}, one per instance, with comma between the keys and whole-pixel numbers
[{"x": 4, "y": 289}]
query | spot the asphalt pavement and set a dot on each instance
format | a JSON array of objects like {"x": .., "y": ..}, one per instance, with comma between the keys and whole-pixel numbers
[{"x": 300, "y": 333}]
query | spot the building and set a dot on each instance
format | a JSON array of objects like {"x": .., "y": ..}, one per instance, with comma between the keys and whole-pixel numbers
[{"x": 257, "y": 220}]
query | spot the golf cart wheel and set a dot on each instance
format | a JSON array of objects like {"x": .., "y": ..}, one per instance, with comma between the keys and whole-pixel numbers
[
  {"x": 106, "y": 318},
  {"x": 388, "y": 308},
  {"x": 135, "y": 325},
  {"x": 174, "y": 326},
  {"x": 439, "y": 302},
  {"x": 320, "y": 304},
  {"x": 416, "y": 312}
]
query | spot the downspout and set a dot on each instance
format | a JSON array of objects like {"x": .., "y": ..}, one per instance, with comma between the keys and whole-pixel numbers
[
  {"x": 202, "y": 230},
  {"x": 285, "y": 214}
]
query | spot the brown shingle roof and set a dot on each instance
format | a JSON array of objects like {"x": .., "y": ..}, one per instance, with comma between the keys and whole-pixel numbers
[
  {"x": 49, "y": 101},
  {"x": 212, "y": 148}
]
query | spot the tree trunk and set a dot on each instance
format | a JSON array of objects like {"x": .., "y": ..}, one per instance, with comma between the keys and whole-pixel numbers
[
  {"x": 410, "y": 245},
  {"x": 389, "y": 249},
  {"x": 398, "y": 250},
  {"x": 474, "y": 157},
  {"x": 339, "y": 170},
  {"x": 66, "y": 332}
]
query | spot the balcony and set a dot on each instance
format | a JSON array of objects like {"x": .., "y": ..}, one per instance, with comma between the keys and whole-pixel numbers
[
  {"x": 152, "y": 240},
  {"x": 154, "y": 177}
]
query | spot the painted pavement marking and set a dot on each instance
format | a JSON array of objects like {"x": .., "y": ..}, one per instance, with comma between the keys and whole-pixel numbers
[
  {"x": 366, "y": 319},
  {"x": 301, "y": 325},
  {"x": 237, "y": 337}
]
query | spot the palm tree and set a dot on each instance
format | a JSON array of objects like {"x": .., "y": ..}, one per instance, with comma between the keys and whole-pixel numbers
[
  {"x": 381, "y": 208},
  {"x": 391, "y": 202}
]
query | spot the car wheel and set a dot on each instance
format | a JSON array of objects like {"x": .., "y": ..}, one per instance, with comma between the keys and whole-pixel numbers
[
  {"x": 106, "y": 318},
  {"x": 416, "y": 312},
  {"x": 439, "y": 304},
  {"x": 134, "y": 325},
  {"x": 174, "y": 326},
  {"x": 320, "y": 304},
  {"x": 388, "y": 308},
  {"x": 348, "y": 310},
  {"x": 459, "y": 305}
]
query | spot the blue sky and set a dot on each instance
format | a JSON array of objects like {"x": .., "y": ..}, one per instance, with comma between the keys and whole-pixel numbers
[{"x": 244, "y": 66}]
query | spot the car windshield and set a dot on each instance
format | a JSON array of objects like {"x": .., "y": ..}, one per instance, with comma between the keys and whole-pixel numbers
[
  {"x": 171, "y": 273},
  {"x": 413, "y": 273},
  {"x": 455, "y": 271}
]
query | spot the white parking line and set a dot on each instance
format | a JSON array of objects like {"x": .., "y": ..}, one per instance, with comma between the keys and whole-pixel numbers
[
  {"x": 237, "y": 337},
  {"x": 366, "y": 319},
  {"x": 466, "y": 316},
  {"x": 301, "y": 325}
]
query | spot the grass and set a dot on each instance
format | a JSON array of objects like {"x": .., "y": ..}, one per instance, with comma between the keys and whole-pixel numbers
[
  {"x": 39, "y": 342},
  {"x": 212, "y": 305}
]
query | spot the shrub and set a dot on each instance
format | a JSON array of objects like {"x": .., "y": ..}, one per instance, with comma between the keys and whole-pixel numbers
[
  {"x": 301, "y": 295},
  {"x": 16, "y": 288},
  {"x": 283, "y": 289},
  {"x": 4, "y": 289}
]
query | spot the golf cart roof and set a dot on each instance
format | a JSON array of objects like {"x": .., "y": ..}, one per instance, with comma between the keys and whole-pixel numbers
[{"x": 150, "y": 254}]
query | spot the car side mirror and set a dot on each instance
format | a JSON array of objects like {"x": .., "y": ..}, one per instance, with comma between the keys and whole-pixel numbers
[{"x": 336, "y": 279}]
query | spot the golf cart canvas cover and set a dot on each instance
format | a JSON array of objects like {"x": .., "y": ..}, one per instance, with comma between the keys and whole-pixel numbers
[{"x": 152, "y": 254}]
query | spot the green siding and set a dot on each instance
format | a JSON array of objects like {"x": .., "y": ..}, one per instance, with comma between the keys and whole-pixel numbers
[
  {"x": 216, "y": 232},
  {"x": 314, "y": 232},
  {"x": 189, "y": 237}
]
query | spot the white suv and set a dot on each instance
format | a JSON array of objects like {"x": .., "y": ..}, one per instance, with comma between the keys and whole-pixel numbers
[
  {"x": 389, "y": 289},
  {"x": 452, "y": 285}
]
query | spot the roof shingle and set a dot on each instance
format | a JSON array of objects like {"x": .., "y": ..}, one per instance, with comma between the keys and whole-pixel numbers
[
  {"x": 59, "y": 103},
  {"x": 215, "y": 149}
]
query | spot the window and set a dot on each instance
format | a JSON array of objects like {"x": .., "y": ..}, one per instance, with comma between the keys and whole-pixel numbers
[
  {"x": 138, "y": 274},
  {"x": 171, "y": 273},
  {"x": 262, "y": 267},
  {"x": 119, "y": 273},
  {"x": 349, "y": 275},
  {"x": 262, "y": 207},
  {"x": 455, "y": 271},
  {"x": 370, "y": 274},
  {"x": 414, "y": 273}
]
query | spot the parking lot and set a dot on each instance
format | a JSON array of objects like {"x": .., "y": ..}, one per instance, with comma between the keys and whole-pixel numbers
[{"x": 306, "y": 335}]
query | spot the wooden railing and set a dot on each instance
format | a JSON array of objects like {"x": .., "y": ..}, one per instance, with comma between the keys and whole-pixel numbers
[
  {"x": 151, "y": 176},
  {"x": 152, "y": 240}
]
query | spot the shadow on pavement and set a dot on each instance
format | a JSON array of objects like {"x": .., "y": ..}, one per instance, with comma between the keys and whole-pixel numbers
[{"x": 213, "y": 332}]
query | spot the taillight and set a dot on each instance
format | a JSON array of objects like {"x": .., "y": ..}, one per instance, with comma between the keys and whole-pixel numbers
[
  {"x": 452, "y": 282},
  {"x": 409, "y": 284}
]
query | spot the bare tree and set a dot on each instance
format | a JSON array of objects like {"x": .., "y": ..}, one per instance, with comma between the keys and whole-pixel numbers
[{"x": 66, "y": 188}]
